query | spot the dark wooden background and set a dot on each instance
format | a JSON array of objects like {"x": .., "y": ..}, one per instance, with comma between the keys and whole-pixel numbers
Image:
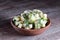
[{"x": 10, "y": 8}]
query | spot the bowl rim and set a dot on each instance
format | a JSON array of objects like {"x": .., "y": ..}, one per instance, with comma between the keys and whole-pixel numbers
[{"x": 49, "y": 23}]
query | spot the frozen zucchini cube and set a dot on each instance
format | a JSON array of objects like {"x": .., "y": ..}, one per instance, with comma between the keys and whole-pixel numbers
[
  {"x": 30, "y": 25},
  {"x": 43, "y": 25},
  {"x": 17, "y": 23},
  {"x": 41, "y": 15},
  {"x": 37, "y": 16},
  {"x": 22, "y": 18},
  {"x": 32, "y": 19},
  {"x": 27, "y": 28},
  {"x": 20, "y": 25},
  {"x": 24, "y": 25},
  {"x": 36, "y": 10},
  {"x": 37, "y": 25},
  {"x": 27, "y": 11},
  {"x": 45, "y": 16},
  {"x": 16, "y": 18},
  {"x": 43, "y": 21}
]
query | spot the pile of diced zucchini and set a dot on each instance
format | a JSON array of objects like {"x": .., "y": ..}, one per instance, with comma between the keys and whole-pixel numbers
[{"x": 31, "y": 19}]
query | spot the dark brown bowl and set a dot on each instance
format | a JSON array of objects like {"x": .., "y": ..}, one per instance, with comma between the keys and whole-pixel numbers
[{"x": 31, "y": 31}]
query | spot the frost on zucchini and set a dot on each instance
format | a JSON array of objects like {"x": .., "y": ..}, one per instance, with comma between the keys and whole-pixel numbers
[{"x": 31, "y": 19}]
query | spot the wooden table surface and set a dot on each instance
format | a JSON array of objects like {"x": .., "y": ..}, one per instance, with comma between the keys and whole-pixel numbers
[{"x": 10, "y": 8}]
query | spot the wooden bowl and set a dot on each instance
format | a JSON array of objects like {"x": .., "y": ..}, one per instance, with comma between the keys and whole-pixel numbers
[{"x": 31, "y": 32}]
